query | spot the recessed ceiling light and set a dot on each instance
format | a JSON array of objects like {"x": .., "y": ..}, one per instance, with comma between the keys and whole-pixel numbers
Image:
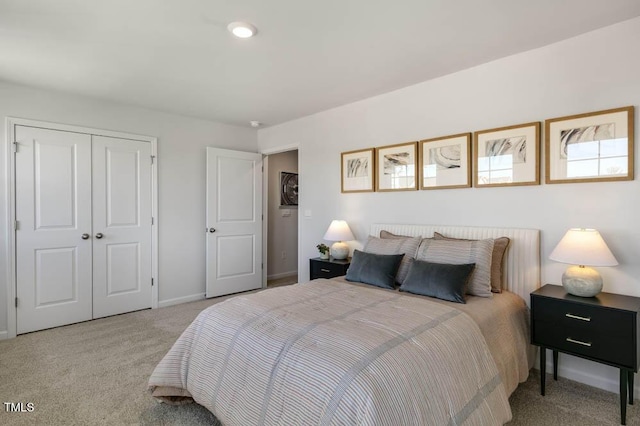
[
  {"x": 242, "y": 29},
  {"x": 255, "y": 123}
]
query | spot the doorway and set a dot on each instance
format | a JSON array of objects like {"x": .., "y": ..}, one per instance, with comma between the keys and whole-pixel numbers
[{"x": 281, "y": 218}]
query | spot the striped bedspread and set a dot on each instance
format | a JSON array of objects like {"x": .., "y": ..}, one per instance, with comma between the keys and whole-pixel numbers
[{"x": 331, "y": 353}]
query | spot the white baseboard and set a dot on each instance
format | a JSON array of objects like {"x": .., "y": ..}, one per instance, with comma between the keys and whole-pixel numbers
[
  {"x": 178, "y": 300},
  {"x": 4, "y": 335},
  {"x": 282, "y": 275}
]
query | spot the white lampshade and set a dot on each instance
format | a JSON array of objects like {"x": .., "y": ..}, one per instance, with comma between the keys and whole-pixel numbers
[
  {"x": 582, "y": 248},
  {"x": 339, "y": 231}
]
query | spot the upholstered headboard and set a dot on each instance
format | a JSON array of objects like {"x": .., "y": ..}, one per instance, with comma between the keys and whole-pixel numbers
[{"x": 522, "y": 262}]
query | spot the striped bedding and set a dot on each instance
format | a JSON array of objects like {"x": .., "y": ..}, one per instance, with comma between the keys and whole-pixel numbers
[{"x": 329, "y": 352}]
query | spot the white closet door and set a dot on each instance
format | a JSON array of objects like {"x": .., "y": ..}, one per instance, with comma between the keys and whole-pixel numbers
[
  {"x": 234, "y": 221},
  {"x": 121, "y": 226},
  {"x": 53, "y": 207}
]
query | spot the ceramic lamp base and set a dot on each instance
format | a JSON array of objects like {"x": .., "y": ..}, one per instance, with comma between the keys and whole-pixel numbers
[
  {"x": 582, "y": 281},
  {"x": 340, "y": 250}
]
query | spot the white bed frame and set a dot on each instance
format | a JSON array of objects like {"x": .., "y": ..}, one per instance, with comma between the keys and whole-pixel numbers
[{"x": 522, "y": 262}]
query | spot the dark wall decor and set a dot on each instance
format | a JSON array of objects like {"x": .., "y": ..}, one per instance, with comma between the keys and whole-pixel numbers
[{"x": 288, "y": 189}]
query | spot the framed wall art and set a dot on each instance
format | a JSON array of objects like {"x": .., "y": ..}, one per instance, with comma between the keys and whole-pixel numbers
[
  {"x": 357, "y": 170},
  {"x": 591, "y": 147},
  {"x": 507, "y": 156},
  {"x": 396, "y": 167},
  {"x": 445, "y": 162}
]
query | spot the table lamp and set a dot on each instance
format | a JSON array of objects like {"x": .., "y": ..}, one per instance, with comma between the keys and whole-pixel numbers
[
  {"x": 582, "y": 248},
  {"x": 339, "y": 232}
]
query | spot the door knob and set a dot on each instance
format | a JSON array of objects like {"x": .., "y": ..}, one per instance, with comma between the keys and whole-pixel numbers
[
  {"x": 85, "y": 236},
  {"x": 212, "y": 230},
  {"x": 99, "y": 235}
]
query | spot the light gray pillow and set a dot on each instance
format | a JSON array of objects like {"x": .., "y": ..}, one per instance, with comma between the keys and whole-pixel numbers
[
  {"x": 406, "y": 246},
  {"x": 497, "y": 259},
  {"x": 458, "y": 252}
]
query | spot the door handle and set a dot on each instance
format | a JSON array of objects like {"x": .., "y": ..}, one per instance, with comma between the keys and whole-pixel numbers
[
  {"x": 99, "y": 235},
  {"x": 85, "y": 236},
  {"x": 212, "y": 230}
]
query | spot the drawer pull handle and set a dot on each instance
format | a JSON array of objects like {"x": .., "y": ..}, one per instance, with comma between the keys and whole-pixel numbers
[
  {"x": 569, "y": 339},
  {"x": 577, "y": 317},
  {"x": 325, "y": 270}
]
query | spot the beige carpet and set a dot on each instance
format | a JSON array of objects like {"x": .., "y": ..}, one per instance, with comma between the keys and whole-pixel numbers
[{"x": 96, "y": 373}]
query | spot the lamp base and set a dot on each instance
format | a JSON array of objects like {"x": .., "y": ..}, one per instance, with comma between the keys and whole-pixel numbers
[
  {"x": 582, "y": 281},
  {"x": 339, "y": 250}
]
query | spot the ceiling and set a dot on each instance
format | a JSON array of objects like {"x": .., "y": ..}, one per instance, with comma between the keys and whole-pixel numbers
[{"x": 308, "y": 56}]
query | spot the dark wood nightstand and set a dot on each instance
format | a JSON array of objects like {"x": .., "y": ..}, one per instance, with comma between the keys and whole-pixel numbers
[
  {"x": 603, "y": 329},
  {"x": 328, "y": 268}
]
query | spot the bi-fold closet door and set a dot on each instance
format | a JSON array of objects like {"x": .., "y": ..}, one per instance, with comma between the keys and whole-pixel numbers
[{"x": 83, "y": 238}]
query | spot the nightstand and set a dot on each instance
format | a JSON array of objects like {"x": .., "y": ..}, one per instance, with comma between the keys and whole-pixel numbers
[
  {"x": 328, "y": 268},
  {"x": 603, "y": 329}
]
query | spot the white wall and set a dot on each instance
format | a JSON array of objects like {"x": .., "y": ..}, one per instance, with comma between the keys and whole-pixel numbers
[
  {"x": 181, "y": 175},
  {"x": 282, "y": 230},
  {"x": 595, "y": 71}
]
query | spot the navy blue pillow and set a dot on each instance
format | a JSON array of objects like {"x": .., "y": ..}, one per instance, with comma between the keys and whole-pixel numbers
[
  {"x": 375, "y": 269},
  {"x": 440, "y": 280}
]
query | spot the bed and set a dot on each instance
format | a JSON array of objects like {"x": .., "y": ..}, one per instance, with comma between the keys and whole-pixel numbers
[{"x": 340, "y": 352}]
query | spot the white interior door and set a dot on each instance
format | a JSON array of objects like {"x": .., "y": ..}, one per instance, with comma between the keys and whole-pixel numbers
[
  {"x": 121, "y": 226},
  {"x": 234, "y": 221},
  {"x": 53, "y": 244}
]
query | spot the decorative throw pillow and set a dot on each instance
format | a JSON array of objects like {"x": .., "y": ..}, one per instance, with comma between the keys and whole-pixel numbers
[
  {"x": 375, "y": 269},
  {"x": 407, "y": 246},
  {"x": 440, "y": 280},
  {"x": 497, "y": 259},
  {"x": 386, "y": 235},
  {"x": 462, "y": 252}
]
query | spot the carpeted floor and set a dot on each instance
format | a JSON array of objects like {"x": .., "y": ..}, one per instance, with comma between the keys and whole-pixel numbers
[
  {"x": 95, "y": 373},
  {"x": 279, "y": 282}
]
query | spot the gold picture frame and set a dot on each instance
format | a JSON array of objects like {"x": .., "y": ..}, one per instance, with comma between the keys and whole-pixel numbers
[
  {"x": 357, "y": 171},
  {"x": 396, "y": 167},
  {"x": 591, "y": 147},
  {"x": 445, "y": 162},
  {"x": 507, "y": 156}
]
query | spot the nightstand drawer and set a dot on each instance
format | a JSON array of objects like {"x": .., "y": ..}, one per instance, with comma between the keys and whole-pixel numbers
[
  {"x": 323, "y": 270},
  {"x": 579, "y": 339},
  {"x": 328, "y": 268},
  {"x": 584, "y": 318}
]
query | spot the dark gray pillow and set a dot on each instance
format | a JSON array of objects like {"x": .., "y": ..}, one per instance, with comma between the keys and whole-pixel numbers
[
  {"x": 375, "y": 269},
  {"x": 441, "y": 280}
]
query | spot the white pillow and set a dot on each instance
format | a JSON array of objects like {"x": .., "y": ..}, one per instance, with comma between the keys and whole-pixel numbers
[{"x": 458, "y": 252}]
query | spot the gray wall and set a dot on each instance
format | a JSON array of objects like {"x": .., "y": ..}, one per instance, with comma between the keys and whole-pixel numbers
[
  {"x": 592, "y": 72},
  {"x": 181, "y": 176},
  {"x": 282, "y": 230}
]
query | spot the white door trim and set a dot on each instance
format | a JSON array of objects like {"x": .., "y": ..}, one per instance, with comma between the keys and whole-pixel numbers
[
  {"x": 10, "y": 123},
  {"x": 265, "y": 218}
]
